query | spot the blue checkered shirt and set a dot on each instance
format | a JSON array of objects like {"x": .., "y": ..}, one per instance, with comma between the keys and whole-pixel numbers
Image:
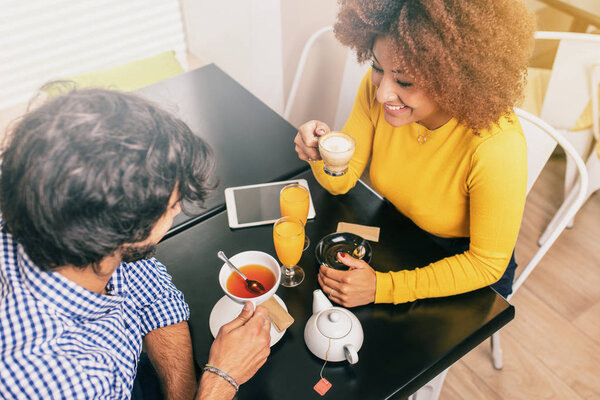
[{"x": 61, "y": 341}]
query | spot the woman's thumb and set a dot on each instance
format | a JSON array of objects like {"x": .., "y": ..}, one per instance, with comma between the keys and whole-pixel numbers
[{"x": 347, "y": 259}]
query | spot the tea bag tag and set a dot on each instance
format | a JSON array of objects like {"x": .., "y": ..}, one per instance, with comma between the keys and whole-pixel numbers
[{"x": 322, "y": 386}]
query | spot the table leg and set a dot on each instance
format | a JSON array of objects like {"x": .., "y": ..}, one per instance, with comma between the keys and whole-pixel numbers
[{"x": 432, "y": 390}]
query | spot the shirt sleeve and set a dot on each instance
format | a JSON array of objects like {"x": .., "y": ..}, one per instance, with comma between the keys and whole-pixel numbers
[
  {"x": 158, "y": 301},
  {"x": 360, "y": 126},
  {"x": 497, "y": 185}
]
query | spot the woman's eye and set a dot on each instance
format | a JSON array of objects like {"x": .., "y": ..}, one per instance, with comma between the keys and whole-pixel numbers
[
  {"x": 404, "y": 84},
  {"x": 378, "y": 70}
]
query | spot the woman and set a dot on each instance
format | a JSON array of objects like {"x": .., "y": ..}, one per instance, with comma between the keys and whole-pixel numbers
[{"x": 434, "y": 117}]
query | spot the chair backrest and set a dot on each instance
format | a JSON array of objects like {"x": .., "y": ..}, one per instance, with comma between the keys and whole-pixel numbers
[
  {"x": 540, "y": 145},
  {"x": 541, "y": 140},
  {"x": 569, "y": 88},
  {"x": 325, "y": 82}
]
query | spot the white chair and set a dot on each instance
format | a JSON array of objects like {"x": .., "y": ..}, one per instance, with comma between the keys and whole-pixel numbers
[
  {"x": 569, "y": 91},
  {"x": 322, "y": 76},
  {"x": 541, "y": 140},
  {"x": 593, "y": 161}
]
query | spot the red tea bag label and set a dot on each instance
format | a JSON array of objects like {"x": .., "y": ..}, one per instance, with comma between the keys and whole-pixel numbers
[{"x": 322, "y": 386}]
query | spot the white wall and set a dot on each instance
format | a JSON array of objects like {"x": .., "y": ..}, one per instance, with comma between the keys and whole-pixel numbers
[
  {"x": 257, "y": 42},
  {"x": 300, "y": 19},
  {"x": 243, "y": 37}
]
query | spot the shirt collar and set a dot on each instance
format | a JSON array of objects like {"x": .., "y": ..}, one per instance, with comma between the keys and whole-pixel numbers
[{"x": 56, "y": 291}]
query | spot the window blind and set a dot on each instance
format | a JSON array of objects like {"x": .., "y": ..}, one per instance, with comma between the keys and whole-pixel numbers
[{"x": 42, "y": 40}]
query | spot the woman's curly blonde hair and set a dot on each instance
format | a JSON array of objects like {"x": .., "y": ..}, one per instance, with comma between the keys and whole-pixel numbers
[{"x": 469, "y": 56}]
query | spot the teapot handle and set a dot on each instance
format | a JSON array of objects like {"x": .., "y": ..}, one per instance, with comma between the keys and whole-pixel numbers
[{"x": 351, "y": 354}]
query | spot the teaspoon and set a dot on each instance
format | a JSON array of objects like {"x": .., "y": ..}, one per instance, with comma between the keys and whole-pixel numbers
[
  {"x": 359, "y": 251},
  {"x": 252, "y": 285}
]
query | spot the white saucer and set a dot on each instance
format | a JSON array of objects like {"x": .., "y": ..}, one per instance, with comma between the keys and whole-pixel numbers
[{"x": 226, "y": 310}]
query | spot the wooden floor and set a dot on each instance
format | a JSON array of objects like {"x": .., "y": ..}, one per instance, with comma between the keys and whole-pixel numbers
[{"x": 552, "y": 347}]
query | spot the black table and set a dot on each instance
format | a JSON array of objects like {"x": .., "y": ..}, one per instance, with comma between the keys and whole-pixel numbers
[
  {"x": 242, "y": 131},
  {"x": 405, "y": 345}
]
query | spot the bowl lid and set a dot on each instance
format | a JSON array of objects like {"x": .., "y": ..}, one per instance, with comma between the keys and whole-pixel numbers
[{"x": 334, "y": 323}]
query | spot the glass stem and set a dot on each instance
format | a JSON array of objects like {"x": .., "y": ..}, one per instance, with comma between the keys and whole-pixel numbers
[{"x": 288, "y": 271}]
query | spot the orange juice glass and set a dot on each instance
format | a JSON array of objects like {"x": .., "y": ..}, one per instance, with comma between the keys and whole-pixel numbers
[
  {"x": 288, "y": 237},
  {"x": 294, "y": 201}
]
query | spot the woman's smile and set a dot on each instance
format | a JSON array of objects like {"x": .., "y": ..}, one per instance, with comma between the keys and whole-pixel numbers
[{"x": 395, "y": 109}]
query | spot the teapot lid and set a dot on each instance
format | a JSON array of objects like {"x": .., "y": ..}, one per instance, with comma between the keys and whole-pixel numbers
[{"x": 334, "y": 323}]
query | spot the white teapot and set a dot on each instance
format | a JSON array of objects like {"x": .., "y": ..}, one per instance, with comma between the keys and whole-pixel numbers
[{"x": 332, "y": 333}]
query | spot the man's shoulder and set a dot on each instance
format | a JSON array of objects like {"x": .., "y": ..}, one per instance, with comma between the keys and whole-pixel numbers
[
  {"x": 144, "y": 277},
  {"x": 142, "y": 269}
]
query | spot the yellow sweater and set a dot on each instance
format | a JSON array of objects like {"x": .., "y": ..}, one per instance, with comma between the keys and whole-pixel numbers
[{"x": 457, "y": 184}]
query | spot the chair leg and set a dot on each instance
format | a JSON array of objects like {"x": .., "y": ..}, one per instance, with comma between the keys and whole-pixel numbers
[
  {"x": 564, "y": 208},
  {"x": 432, "y": 390},
  {"x": 570, "y": 172},
  {"x": 496, "y": 351},
  {"x": 593, "y": 167},
  {"x": 583, "y": 142}
]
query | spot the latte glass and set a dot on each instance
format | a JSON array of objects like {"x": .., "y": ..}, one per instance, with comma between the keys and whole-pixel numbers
[{"x": 336, "y": 149}]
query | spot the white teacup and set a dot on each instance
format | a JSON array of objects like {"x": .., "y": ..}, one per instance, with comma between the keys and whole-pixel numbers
[{"x": 246, "y": 258}]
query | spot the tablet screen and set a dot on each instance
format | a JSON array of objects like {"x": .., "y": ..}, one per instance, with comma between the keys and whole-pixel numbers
[{"x": 259, "y": 203}]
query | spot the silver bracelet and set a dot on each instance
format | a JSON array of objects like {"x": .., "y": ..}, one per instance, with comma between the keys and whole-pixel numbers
[{"x": 222, "y": 374}]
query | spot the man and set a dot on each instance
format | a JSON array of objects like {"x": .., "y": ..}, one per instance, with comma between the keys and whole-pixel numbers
[{"x": 90, "y": 182}]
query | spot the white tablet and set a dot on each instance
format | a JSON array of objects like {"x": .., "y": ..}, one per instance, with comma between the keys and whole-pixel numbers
[{"x": 253, "y": 205}]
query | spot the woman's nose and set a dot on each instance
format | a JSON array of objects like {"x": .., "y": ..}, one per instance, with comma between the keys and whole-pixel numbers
[{"x": 386, "y": 92}]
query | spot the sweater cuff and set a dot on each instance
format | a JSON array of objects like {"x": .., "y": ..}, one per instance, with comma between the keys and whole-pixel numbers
[
  {"x": 317, "y": 168},
  {"x": 384, "y": 291}
]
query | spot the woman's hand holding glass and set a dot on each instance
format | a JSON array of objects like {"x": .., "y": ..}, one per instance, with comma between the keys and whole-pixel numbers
[
  {"x": 351, "y": 288},
  {"x": 307, "y": 140}
]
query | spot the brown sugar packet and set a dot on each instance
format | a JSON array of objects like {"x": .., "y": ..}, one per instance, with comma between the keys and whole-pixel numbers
[
  {"x": 366, "y": 232},
  {"x": 280, "y": 318}
]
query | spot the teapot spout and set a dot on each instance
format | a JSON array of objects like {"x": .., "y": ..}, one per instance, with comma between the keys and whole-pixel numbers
[{"x": 320, "y": 301}]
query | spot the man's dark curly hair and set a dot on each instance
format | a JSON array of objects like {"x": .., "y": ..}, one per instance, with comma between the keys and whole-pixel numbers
[
  {"x": 94, "y": 169},
  {"x": 469, "y": 56}
]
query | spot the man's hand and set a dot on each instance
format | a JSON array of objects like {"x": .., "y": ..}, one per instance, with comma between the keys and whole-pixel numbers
[
  {"x": 240, "y": 349},
  {"x": 352, "y": 288}
]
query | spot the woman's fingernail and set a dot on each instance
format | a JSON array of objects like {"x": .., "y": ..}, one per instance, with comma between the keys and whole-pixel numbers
[
  {"x": 320, "y": 130},
  {"x": 341, "y": 255}
]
